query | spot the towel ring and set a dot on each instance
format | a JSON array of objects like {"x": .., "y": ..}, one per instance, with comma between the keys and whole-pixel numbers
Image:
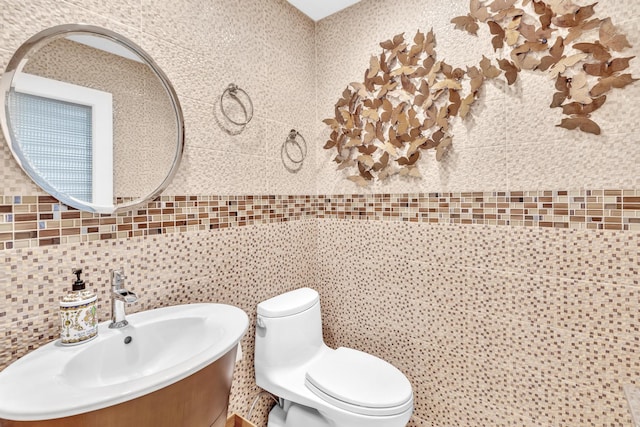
[
  {"x": 292, "y": 139},
  {"x": 233, "y": 91},
  {"x": 293, "y": 163}
]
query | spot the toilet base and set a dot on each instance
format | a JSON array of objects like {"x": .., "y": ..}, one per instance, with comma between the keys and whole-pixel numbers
[
  {"x": 296, "y": 416},
  {"x": 276, "y": 417}
]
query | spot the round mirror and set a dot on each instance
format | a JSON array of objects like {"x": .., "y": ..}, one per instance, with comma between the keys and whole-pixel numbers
[{"x": 91, "y": 118}]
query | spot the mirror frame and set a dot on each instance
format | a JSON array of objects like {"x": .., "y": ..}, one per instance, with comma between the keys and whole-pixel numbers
[{"x": 17, "y": 63}]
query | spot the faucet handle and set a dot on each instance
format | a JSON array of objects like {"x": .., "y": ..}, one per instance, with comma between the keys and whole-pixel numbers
[
  {"x": 117, "y": 278},
  {"x": 125, "y": 296}
]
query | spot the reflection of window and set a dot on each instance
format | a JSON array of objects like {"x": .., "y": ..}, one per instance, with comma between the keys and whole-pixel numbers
[
  {"x": 65, "y": 132},
  {"x": 56, "y": 138}
]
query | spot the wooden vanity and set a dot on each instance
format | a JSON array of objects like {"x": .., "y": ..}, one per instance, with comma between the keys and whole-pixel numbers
[{"x": 199, "y": 400}]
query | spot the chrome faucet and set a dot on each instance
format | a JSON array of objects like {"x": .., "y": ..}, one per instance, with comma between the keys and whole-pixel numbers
[{"x": 119, "y": 296}]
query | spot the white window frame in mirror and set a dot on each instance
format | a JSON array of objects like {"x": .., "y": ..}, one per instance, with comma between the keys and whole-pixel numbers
[{"x": 101, "y": 104}]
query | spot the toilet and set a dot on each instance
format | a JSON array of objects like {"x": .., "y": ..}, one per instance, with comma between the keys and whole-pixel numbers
[{"x": 318, "y": 386}]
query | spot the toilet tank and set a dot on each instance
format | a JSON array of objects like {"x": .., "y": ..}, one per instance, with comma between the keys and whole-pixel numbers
[{"x": 288, "y": 329}]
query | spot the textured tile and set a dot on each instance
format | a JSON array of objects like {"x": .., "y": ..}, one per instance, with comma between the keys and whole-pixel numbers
[
  {"x": 290, "y": 89},
  {"x": 23, "y": 20},
  {"x": 523, "y": 116},
  {"x": 207, "y": 129},
  {"x": 289, "y": 29},
  {"x": 486, "y": 126},
  {"x": 590, "y": 165},
  {"x": 576, "y": 254},
  {"x": 216, "y": 24},
  {"x": 468, "y": 169},
  {"x": 227, "y": 177},
  {"x": 582, "y": 406},
  {"x": 593, "y": 308},
  {"x": 516, "y": 322},
  {"x": 621, "y": 12},
  {"x": 128, "y": 13},
  {"x": 601, "y": 362}
]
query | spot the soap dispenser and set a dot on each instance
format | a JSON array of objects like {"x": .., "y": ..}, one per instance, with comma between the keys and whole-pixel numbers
[{"x": 78, "y": 314}]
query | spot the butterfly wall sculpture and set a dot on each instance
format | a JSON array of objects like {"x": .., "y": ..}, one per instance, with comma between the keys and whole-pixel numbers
[{"x": 408, "y": 97}]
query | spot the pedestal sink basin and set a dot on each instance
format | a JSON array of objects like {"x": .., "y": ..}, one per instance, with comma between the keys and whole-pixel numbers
[{"x": 159, "y": 348}]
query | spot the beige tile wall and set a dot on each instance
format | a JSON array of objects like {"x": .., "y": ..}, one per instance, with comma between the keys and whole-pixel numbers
[
  {"x": 494, "y": 324},
  {"x": 499, "y": 326}
]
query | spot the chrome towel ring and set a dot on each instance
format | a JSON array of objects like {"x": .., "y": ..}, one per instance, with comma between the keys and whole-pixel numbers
[
  {"x": 233, "y": 91},
  {"x": 293, "y": 151}
]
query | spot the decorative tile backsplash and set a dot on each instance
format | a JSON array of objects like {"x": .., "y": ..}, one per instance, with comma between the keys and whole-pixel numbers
[{"x": 30, "y": 221}]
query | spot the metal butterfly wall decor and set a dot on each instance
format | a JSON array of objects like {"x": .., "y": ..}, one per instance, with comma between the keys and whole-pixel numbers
[{"x": 408, "y": 97}]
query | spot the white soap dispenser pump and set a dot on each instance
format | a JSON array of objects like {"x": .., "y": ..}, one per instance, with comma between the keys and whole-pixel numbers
[{"x": 78, "y": 316}]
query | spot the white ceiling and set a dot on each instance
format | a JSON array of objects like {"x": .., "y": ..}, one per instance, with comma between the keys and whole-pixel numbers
[{"x": 318, "y": 9}]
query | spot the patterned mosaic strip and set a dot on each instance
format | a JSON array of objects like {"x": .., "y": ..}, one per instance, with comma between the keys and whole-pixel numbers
[
  {"x": 30, "y": 221},
  {"x": 583, "y": 209},
  {"x": 33, "y": 221}
]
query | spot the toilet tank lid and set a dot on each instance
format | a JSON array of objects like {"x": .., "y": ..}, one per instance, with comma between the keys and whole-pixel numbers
[{"x": 289, "y": 303}]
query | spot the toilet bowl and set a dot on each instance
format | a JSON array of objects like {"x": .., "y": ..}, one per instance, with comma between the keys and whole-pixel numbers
[{"x": 318, "y": 386}]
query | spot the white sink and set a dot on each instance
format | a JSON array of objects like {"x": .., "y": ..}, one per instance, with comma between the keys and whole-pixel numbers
[{"x": 165, "y": 346}]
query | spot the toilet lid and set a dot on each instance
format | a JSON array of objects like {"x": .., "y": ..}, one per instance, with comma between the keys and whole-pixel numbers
[{"x": 360, "y": 383}]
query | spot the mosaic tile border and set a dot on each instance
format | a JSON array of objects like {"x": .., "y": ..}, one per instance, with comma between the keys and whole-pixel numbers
[
  {"x": 31, "y": 221},
  {"x": 580, "y": 209}
]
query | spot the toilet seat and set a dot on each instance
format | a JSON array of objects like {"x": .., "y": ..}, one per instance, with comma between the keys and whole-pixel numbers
[{"x": 360, "y": 383}]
